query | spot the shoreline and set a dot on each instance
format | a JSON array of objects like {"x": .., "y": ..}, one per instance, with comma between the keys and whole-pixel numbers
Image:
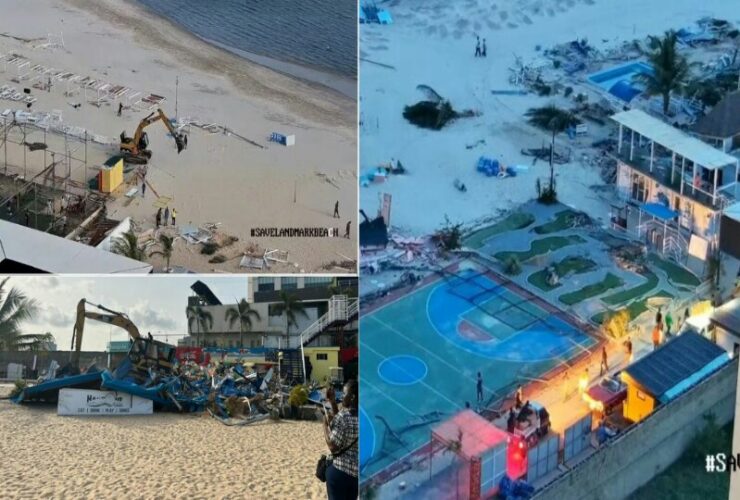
[
  {"x": 335, "y": 82},
  {"x": 310, "y": 100},
  {"x": 326, "y": 78}
]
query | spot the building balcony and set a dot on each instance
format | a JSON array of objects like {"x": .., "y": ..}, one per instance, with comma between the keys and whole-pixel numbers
[{"x": 661, "y": 172}]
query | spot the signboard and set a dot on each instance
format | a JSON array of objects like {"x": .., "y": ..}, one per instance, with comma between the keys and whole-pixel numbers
[{"x": 91, "y": 402}]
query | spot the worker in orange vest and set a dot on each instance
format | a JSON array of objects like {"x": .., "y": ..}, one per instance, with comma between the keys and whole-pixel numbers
[{"x": 656, "y": 337}]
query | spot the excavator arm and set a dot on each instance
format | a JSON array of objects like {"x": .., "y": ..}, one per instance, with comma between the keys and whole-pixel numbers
[
  {"x": 134, "y": 145},
  {"x": 112, "y": 318}
]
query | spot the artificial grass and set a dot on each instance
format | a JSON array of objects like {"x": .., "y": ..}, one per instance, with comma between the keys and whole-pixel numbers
[
  {"x": 634, "y": 292},
  {"x": 569, "y": 264},
  {"x": 539, "y": 247},
  {"x": 514, "y": 221},
  {"x": 635, "y": 308},
  {"x": 676, "y": 273},
  {"x": 562, "y": 221},
  {"x": 588, "y": 291},
  {"x": 687, "y": 478}
]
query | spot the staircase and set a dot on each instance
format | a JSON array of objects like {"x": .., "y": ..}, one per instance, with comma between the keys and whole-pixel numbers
[{"x": 342, "y": 310}]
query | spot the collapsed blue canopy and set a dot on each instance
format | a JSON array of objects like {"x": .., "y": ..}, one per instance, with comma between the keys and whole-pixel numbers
[{"x": 659, "y": 210}]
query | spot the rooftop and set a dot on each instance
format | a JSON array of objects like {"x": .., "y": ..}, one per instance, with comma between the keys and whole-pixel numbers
[
  {"x": 27, "y": 250},
  {"x": 674, "y": 140},
  {"x": 478, "y": 434},
  {"x": 681, "y": 359},
  {"x": 728, "y": 316},
  {"x": 723, "y": 120}
]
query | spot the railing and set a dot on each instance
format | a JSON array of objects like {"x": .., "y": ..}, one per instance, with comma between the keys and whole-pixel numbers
[{"x": 340, "y": 309}]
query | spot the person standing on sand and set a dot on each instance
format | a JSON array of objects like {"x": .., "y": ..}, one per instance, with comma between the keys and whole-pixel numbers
[
  {"x": 166, "y": 215},
  {"x": 336, "y": 210},
  {"x": 159, "y": 217},
  {"x": 341, "y": 430},
  {"x": 174, "y": 215},
  {"x": 120, "y": 108},
  {"x": 477, "y": 46},
  {"x": 483, "y": 50},
  {"x": 346, "y": 231},
  {"x": 143, "y": 189},
  {"x": 479, "y": 388}
]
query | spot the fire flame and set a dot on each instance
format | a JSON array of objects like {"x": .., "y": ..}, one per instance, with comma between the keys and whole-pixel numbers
[{"x": 593, "y": 404}]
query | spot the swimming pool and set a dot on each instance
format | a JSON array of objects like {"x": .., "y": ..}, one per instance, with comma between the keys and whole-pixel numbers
[
  {"x": 620, "y": 82},
  {"x": 421, "y": 354}
]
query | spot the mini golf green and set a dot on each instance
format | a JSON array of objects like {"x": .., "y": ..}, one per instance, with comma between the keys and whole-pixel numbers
[
  {"x": 676, "y": 273},
  {"x": 540, "y": 247},
  {"x": 572, "y": 264},
  {"x": 635, "y": 308},
  {"x": 517, "y": 220},
  {"x": 563, "y": 220},
  {"x": 634, "y": 292},
  {"x": 588, "y": 291}
]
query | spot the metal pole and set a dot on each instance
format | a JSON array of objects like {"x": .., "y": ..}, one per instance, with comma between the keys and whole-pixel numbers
[{"x": 303, "y": 360}]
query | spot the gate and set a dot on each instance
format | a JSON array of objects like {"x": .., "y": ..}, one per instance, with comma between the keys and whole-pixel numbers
[
  {"x": 577, "y": 437},
  {"x": 543, "y": 458}
]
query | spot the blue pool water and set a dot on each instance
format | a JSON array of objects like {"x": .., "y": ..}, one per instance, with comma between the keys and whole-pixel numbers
[{"x": 619, "y": 81}]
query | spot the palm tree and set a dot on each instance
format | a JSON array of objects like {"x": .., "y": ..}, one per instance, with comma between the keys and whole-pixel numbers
[
  {"x": 202, "y": 319},
  {"x": 167, "y": 243},
  {"x": 242, "y": 313},
  {"x": 128, "y": 245},
  {"x": 554, "y": 120},
  {"x": 670, "y": 69},
  {"x": 291, "y": 307},
  {"x": 15, "y": 308}
]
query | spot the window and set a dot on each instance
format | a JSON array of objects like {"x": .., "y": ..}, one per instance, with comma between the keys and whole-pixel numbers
[
  {"x": 322, "y": 356},
  {"x": 289, "y": 283},
  {"x": 318, "y": 282},
  {"x": 735, "y": 349},
  {"x": 274, "y": 310},
  {"x": 265, "y": 284}
]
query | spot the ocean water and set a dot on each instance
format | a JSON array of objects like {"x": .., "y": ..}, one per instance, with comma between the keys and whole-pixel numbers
[{"x": 321, "y": 34}]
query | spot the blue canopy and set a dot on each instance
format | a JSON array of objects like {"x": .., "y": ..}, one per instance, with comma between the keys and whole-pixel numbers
[{"x": 659, "y": 210}]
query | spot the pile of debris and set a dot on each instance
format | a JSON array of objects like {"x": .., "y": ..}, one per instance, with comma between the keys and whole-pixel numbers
[{"x": 229, "y": 392}]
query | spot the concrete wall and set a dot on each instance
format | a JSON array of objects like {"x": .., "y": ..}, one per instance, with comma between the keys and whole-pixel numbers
[
  {"x": 646, "y": 449},
  {"x": 44, "y": 358}
]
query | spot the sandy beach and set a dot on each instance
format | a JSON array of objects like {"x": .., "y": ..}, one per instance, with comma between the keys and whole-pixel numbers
[
  {"x": 433, "y": 43},
  {"x": 156, "y": 456},
  {"x": 219, "y": 178}
]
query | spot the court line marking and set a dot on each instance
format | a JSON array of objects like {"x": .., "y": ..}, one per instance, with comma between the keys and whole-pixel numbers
[
  {"x": 421, "y": 381},
  {"x": 390, "y": 382},
  {"x": 509, "y": 339},
  {"x": 372, "y": 428},
  {"x": 385, "y": 395},
  {"x": 442, "y": 360}
]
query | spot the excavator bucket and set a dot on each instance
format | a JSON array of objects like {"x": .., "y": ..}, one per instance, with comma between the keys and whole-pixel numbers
[{"x": 180, "y": 143}]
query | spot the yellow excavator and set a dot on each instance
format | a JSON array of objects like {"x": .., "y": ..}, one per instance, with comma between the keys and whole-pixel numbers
[
  {"x": 145, "y": 352},
  {"x": 134, "y": 149}
]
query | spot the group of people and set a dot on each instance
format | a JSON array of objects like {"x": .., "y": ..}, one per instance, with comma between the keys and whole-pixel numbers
[
  {"x": 662, "y": 329},
  {"x": 480, "y": 49},
  {"x": 166, "y": 214},
  {"x": 336, "y": 216}
]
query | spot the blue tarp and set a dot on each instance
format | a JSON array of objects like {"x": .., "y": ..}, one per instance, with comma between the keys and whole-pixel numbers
[
  {"x": 624, "y": 90},
  {"x": 659, "y": 210},
  {"x": 49, "y": 391},
  {"x": 491, "y": 167},
  {"x": 384, "y": 17}
]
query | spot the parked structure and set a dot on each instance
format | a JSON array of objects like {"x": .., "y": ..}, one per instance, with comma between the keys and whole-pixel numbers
[
  {"x": 674, "y": 188},
  {"x": 663, "y": 375},
  {"x": 721, "y": 126}
]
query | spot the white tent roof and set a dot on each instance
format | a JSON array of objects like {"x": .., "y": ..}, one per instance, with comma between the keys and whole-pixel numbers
[
  {"x": 671, "y": 138},
  {"x": 53, "y": 254}
]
